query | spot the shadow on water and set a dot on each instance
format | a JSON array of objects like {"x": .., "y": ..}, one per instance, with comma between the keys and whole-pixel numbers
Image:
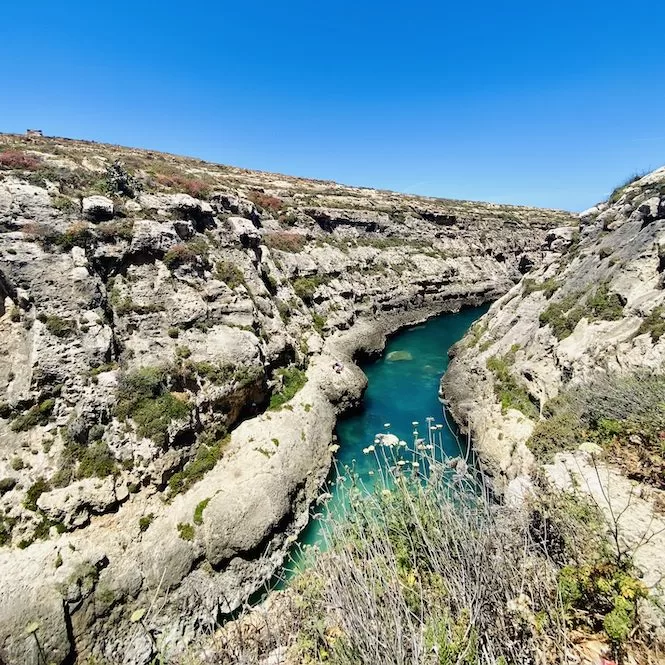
[{"x": 403, "y": 385}]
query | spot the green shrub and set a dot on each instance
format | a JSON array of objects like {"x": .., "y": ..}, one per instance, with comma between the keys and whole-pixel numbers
[
  {"x": 173, "y": 332},
  {"x": 293, "y": 379},
  {"x": 305, "y": 287},
  {"x": 548, "y": 286},
  {"x": 319, "y": 322},
  {"x": 97, "y": 461},
  {"x": 77, "y": 235},
  {"x": 154, "y": 416},
  {"x": 58, "y": 326},
  {"x": 508, "y": 391},
  {"x": 7, "y": 485},
  {"x": 206, "y": 458},
  {"x": 143, "y": 397},
  {"x": 198, "y": 511},
  {"x": 186, "y": 531},
  {"x": 618, "y": 192},
  {"x": 37, "y": 415},
  {"x": 562, "y": 431},
  {"x": 605, "y": 305},
  {"x": 34, "y": 492},
  {"x": 230, "y": 274},
  {"x": 145, "y": 522},
  {"x": 64, "y": 204},
  {"x": 654, "y": 324},
  {"x": 603, "y": 597},
  {"x": 562, "y": 316}
]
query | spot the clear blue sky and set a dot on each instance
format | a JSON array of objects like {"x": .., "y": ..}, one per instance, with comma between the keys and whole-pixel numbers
[{"x": 543, "y": 103}]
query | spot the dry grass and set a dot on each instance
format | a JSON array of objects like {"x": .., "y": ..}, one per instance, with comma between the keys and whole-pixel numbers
[{"x": 427, "y": 569}]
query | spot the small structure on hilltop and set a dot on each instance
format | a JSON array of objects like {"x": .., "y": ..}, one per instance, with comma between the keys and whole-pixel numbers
[{"x": 34, "y": 132}]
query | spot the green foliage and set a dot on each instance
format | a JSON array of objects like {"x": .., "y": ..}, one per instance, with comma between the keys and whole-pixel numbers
[
  {"x": 230, "y": 274},
  {"x": 604, "y": 305},
  {"x": 17, "y": 463},
  {"x": 7, "y": 485},
  {"x": 36, "y": 415},
  {"x": 475, "y": 334},
  {"x": 293, "y": 379},
  {"x": 145, "y": 522},
  {"x": 198, "y": 511},
  {"x": 77, "y": 235},
  {"x": 206, "y": 458},
  {"x": 548, "y": 286},
  {"x": 173, "y": 332},
  {"x": 654, "y": 324},
  {"x": 305, "y": 287},
  {"x": 6, "y": 526},
  {"x": 117, "y": 230},
  {"x": 186, "y": 531},
  {"x": 562, "y": 316},
  {"x": 34, "y": 492},
  {"x": 96, "y": 461},
  {"x": 64, "y": 204},
  {"x": 319, "y": 321},
  {"x": 560, "y": 432},
  {"x": 143, "y": 397},
  {"x": 603, "y": 596},
  {"x": 58, "y": 326},
  {"x": 509, "y": 392}
]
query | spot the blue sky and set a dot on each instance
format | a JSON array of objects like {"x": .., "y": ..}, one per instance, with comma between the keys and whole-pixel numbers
[{"x": 539, "y": 103}]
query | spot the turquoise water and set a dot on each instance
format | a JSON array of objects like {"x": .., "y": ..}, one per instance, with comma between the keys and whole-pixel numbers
[{"x": 403, "y": 387}]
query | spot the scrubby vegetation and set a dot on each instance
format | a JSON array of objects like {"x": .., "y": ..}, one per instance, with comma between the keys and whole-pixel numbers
[
  {"x": 207, "y": 455},
  {"x": 564, "y": 315},
  {"x": 266, "y": 201},
  {"x": 548, "y": 286},
  {"x": 36, "y": 415},
  {"x": 293, "y": 379},
  {"x": 509, "y": 392},
  {"x": 305, "y": 287},
  {"x": 618, "y": 191},
  {"x": 285, "y": 242},
  {"x": 230, "y": 274},
  {"x": 426, "y": 569},
  {"x": 192, "y": 252},
  {"x": 144, "y": 397},
  {"x": 654, "y": 324},
  {"x": 623, "y": 414}
]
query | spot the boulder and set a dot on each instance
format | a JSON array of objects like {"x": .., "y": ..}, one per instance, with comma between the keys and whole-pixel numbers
[
  {"x": 73, "y": 505},
  {"x": 97, "y": 208},
  {"x": 152, "y": 237}
]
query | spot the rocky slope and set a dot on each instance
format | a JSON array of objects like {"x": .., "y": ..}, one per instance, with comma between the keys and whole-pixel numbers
[
  {"x": 169, "y": 329},
  {"x": 566, "y": 370}
]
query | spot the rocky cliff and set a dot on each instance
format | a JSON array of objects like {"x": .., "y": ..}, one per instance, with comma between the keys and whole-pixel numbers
[
  {"x": 168, "y": 330},
  {"x": 565, "y": 372}
]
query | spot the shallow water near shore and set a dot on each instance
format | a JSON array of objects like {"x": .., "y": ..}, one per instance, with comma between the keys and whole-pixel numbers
[{"x": 403, "y": 386}]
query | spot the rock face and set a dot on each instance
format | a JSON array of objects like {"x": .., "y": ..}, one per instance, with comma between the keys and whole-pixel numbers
[
  {"x": 595, "y": 311},
  {"x": 587, "y": 310},
  {"x": 144, "y": 334}
]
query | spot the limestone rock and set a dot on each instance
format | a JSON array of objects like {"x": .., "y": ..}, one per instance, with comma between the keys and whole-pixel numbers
[{"x": 97, "y": 208}]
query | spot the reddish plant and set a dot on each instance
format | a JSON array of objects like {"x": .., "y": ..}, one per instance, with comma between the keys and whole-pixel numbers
[
  {"x": 15, "y": 159},
  {"x": 197, "y": 188},
  {"x": 266, "y": 201},
  {"x": 178, "y": 255},
  {"x": 285, "y": 241}
]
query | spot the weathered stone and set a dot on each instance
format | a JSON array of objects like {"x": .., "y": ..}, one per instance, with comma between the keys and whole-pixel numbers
[{"x": 97, "y": 208}]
